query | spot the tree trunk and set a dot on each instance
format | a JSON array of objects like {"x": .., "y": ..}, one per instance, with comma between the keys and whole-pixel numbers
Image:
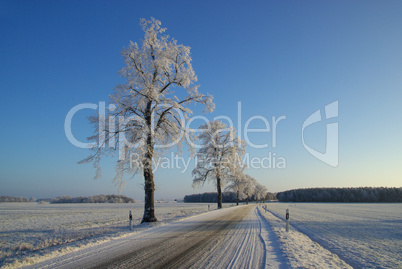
[
  {"x": 149, "y": 206},
  {"x": 237, "y": 197},
  {"x": 218, "y": 185}
]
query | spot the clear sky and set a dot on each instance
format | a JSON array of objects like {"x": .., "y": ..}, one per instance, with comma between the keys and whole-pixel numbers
[{"x": 277, "y": 58}]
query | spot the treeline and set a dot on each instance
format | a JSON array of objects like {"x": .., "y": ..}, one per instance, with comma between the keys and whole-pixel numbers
[
  {"x": 343, "y": 195},
  {"x": 227, "y": 197},
  {"x": 10, "y": 199},
  {"x": 270, "y": 196},
  {"x": 93, "y": 199},
  {"x": 210, "y": 197}
]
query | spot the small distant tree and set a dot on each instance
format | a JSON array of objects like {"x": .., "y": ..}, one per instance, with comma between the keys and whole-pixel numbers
[
  {"x": 147, "y": 110},
  {"x": 218, "y": 156}
]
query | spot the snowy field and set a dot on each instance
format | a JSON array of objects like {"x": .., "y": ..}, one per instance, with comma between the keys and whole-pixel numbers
[
  {"x": 363, "y": 235},
  {"x": 321, "y": 235},
  {"x": 29, "y": 231},
  {"x": 237, "y": 237}
]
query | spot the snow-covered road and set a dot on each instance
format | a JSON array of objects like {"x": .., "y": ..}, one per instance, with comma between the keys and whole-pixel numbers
[
  {"x": 236, "y": 237},
  {"x": 223, "y": 238}
]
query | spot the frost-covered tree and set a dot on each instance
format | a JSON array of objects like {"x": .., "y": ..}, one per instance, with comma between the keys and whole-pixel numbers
[
  {"x": 260, "y": 192},
  {"x": 149, "y": 110},
  {"x": 218, "y": 155},
  {"x": 246, "y": 187},
  {"x": 249, "y": 187},
  {"x": 237, "y": 184},
  {"x": 270, "y": 196},
  {"x": 237, "y": 181}
]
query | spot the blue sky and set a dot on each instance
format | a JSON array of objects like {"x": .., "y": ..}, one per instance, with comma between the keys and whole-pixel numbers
[{"x": 277, "y": 58}]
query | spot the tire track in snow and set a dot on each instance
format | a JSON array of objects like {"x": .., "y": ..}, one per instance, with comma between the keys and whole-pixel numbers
[
  {"x": 182, "y": 247},
  {"x": 246, "y": 246},
  {"x": 274, "y": 256}
]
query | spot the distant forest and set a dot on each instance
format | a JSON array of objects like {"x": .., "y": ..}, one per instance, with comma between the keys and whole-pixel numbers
[
  {"x": 112, "y": 198},
  {"x": 91, "y": 199},
  {"x": 212, "y": 197},
  {"x": 343, "y": 195},
  {"x": 10, "y": 199}
]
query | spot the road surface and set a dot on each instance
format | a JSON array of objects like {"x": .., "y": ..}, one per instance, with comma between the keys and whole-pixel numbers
[{"x": 226, "y": 238}]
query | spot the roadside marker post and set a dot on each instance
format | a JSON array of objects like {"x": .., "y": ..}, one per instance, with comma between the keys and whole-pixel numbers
[
  {"x": 287, "y": 220},
  {"x": 130, "y": 217}
]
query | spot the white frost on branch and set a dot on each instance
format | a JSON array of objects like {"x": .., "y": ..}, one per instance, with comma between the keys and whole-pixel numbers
[
  {"x": 249, "y": 186},
  {"x": 218, "y": 159},
  {"x": 147, "y": 112}
]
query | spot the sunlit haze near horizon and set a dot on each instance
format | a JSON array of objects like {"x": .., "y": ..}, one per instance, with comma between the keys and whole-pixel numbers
[{"x": 270, "y": 65}]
